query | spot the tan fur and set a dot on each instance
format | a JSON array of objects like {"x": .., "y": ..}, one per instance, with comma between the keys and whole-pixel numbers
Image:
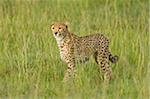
[{"x": 75, "y": 49}]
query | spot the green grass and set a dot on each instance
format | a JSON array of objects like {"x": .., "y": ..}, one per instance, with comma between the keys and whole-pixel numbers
[{"x": 30, "y": 65}]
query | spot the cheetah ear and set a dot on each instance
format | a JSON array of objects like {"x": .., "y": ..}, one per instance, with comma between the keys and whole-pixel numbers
[
  {"x": 66, "y": 23},
  {"x": 66, "y": 27},
  {"x": 51, "y": 25}
]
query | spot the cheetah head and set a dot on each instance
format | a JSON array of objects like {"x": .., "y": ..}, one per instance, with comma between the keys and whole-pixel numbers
[{"x": 59, "y": 30}]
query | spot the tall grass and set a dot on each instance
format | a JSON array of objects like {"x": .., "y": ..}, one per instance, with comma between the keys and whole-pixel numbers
[{"x": 30, "y": 65}]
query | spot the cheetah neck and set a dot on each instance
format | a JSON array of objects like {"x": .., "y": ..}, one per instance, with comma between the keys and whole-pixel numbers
[{"x": 64, "y": 39}]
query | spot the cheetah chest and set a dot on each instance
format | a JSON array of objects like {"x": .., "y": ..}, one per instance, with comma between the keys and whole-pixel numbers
[{"x": 65, "y": 52}]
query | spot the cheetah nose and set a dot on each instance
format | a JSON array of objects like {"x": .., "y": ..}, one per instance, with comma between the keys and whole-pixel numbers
[{"x": 56, "y": 33}]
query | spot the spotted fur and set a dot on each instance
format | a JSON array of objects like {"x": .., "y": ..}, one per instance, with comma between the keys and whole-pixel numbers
[{"x": 75, "y": 49}]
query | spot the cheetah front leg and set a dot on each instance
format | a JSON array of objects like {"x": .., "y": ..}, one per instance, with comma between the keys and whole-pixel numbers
[{"x": 70, "y": 73}]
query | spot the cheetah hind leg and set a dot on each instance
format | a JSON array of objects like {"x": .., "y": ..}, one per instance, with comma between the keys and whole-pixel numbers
[{"x": 103, "y": 62}]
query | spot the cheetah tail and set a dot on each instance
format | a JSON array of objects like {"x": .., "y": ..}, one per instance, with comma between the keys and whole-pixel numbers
[{"x": 112, "y": 58}]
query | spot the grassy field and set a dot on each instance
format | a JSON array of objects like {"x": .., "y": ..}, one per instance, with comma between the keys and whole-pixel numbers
[{"x": 30, "y": 65}]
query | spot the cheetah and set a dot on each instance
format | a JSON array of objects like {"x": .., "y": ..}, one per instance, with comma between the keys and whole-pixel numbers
[{"x": 74, "y": 49}]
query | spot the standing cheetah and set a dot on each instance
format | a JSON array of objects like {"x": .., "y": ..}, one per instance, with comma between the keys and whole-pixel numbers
[{"x": 75, "y": 49}]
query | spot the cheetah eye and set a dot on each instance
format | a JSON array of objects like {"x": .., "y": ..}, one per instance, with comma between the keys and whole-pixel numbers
[
  {"x": 59, "y": 28},
  {"x": 53, "y": 28}
]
